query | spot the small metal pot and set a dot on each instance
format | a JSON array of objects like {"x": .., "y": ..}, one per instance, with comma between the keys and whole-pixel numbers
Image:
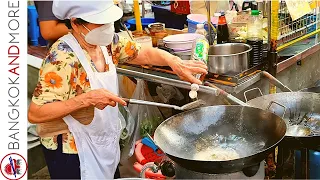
[{"x": 229, "y": 58}]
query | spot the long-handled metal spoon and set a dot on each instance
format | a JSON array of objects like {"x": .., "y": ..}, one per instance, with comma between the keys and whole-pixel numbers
[{"x": 185, "y": 107}]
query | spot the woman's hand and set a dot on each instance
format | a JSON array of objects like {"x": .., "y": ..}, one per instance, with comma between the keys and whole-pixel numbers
[
  {"x": 100, "y": 98},
  {"x": 187, "y": 69},
  {"x": 184, "y": 69}
]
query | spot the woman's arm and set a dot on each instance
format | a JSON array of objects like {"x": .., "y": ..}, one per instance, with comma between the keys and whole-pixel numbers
[
  {"x": 50, "y": 27},
  {"x": 58, "y": 77},
  {"x": 53, "y": 29},
  {"x": 126, "y": 51},
  {"x": 56, "y": 110},
  {"x": 184, "y": 69},
  {"x": 99, "y": 98}
]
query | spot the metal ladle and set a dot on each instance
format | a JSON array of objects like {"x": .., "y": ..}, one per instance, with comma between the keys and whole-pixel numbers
[{"x": 185, "y": 107}]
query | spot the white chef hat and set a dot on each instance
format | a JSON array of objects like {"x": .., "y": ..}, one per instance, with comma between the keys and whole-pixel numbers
[{"x": 92, "y": 11}]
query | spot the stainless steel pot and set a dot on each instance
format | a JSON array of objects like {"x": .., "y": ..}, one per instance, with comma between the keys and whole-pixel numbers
[{"x": 229, "y": 59}]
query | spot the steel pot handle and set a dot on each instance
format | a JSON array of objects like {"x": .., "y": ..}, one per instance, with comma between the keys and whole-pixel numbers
[
  {"x": 245, "y": 93},
  {"x": 274, "y": 102}
]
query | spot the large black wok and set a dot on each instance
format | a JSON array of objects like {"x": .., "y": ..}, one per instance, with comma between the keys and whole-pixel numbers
[
  {"x": 302, "y": 109},
  {"x": 254, "y": 134}
]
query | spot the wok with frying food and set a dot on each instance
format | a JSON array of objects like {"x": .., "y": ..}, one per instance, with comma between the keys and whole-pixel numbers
[{"x": 220, "y": 139}]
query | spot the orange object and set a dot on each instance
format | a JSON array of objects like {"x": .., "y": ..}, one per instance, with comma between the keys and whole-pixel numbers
[
  {"x": 222, "y": 20},
  {"x": 145, "y": 154}
]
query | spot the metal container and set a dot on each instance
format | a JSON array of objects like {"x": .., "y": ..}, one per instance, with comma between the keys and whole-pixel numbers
[{"x": 229, "y": 59}]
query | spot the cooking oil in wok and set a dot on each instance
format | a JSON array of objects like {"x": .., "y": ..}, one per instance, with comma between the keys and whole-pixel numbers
[{"x": 224, "y": 148}]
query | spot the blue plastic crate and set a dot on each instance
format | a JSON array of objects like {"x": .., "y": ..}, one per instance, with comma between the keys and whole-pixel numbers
[{"x": 33, "y": 26}]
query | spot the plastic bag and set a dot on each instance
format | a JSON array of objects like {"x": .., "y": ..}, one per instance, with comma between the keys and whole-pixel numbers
[
  {"x": 126, "y": 86},
  {"x": 166, "y": 93},
  {"x": 149, "y": 117},
  {"x": 32, "y": 129},
  {"x": 129, "y": 133}
]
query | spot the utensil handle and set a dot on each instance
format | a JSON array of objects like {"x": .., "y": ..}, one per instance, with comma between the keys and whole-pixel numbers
[
  {"x": 149, "y": 103},
  {"x": 276, "y": 82},
  {"x": 148, "y": 135},
  {"x": 274, "y": 102},
  {"x": 245, "y": 93},
  {"x": 227, "y": 95}
]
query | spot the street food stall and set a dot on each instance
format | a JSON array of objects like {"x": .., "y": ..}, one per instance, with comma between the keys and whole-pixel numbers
[
  {"x": 249, "y": 92},
  {"x": 288, "y": 41}
]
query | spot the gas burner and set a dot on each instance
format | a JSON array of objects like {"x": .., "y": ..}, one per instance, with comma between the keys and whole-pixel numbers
[{"x": 255, "y": 172}]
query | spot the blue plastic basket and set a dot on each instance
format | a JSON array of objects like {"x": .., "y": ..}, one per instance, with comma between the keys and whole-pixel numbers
[
  {"x": 310, "y": 20},
  {"x": 33, "y": 27},
  {"x": 144, "y": 21},
  {"x": 127, "y": 25}
]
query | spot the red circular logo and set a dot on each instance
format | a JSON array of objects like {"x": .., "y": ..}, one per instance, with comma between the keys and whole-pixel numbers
[{"x": 13, "y": 166}]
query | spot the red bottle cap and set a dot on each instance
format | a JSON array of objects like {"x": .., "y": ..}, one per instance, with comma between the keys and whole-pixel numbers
[{"x": 222, "y": 20}]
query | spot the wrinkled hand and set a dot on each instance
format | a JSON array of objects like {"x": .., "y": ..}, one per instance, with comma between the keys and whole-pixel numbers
[
  {"x": 187, "y": 69},
  {"x": 100, "y": 98}
]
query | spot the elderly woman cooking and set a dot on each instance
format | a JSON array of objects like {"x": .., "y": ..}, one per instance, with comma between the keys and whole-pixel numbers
[{"x": 75, "y": 102}]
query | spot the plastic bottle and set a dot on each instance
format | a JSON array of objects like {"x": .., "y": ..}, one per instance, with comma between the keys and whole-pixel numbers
[
  {"x": 200, "y": 50},
  {"x": 222, "y": 32},
  {"x": 201, "y": 30},
  {"x": 255, "y": 38}
]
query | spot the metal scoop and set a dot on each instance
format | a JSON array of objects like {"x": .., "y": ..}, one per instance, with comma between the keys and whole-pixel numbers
[{"x": 185, "y": 107}]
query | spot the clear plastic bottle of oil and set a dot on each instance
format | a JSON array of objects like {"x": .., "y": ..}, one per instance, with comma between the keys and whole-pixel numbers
[{"x": 255, "y": 38}]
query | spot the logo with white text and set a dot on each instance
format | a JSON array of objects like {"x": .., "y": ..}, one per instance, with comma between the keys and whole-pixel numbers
[{"x": 13, "y": 166}]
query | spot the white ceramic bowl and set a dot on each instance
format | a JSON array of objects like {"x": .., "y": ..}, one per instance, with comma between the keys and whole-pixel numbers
[
  {"x": 181, "y": 42},
  {"x": 180, "y": 46},
  {"x": 181, "y": 38}
]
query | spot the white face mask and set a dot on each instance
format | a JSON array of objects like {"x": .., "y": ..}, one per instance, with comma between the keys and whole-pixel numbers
[{"x": 101, "y": 36}]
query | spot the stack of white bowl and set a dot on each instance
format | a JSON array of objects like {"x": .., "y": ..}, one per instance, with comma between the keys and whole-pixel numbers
[{"x": 181, "y": 44}]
